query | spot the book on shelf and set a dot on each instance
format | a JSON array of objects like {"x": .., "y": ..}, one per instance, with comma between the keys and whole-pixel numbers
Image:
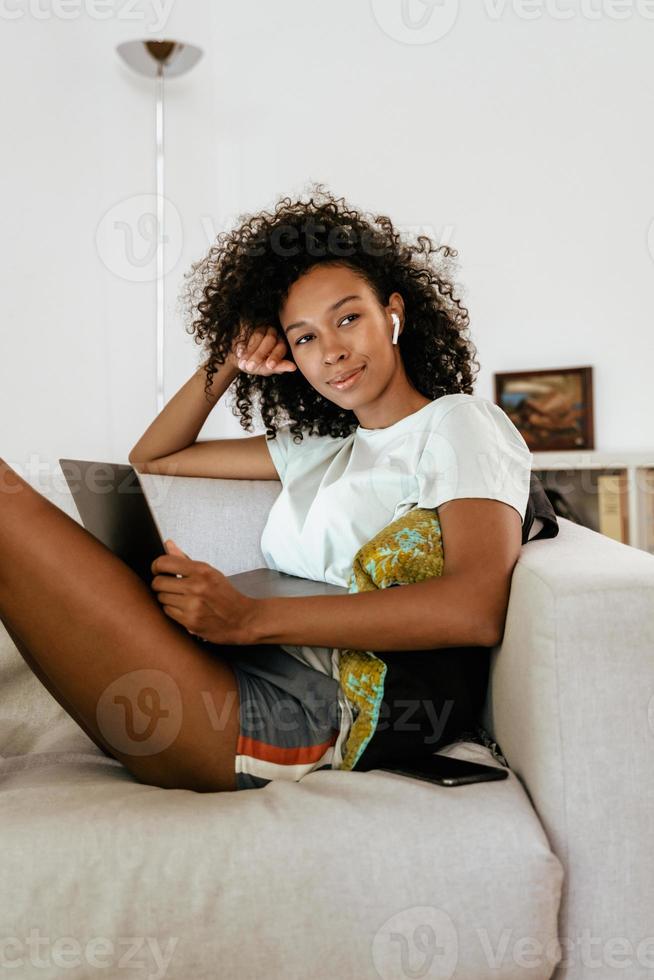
[
  {"x": 613, "y": 506},
  {"x": 647, "y": 505}
]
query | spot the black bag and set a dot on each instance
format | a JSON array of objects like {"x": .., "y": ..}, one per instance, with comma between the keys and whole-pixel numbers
[{"x": 539, "y": 506}]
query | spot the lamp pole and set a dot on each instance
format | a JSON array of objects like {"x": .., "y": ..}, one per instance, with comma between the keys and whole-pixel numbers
[{"x": 158, "y": 59}]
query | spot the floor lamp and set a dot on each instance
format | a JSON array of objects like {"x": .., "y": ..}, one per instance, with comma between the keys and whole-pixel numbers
[{"x": 159, "y": 59}]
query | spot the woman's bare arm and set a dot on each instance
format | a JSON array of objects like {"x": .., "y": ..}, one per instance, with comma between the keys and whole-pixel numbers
[{"x": 178, "y": 423}]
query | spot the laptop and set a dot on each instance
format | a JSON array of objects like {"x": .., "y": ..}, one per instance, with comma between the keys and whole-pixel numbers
[{"x": 112, "y": 505}]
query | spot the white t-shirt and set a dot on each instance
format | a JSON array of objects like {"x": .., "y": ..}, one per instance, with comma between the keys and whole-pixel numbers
[{"x": 337, "y": 493}]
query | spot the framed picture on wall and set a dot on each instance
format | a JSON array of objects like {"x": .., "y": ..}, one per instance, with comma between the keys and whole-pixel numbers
[{"x": 553, "y": 409}]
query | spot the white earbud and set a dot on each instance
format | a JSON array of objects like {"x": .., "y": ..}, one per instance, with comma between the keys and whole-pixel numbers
[{"x": 396, "y": 323}]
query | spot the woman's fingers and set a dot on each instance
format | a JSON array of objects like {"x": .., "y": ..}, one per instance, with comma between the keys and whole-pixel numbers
[
  {"x": 267, "y": 356},
  {"x": 170, "y": 599},
  {"x": 169, "y": 582},
  {"x": 245, "y": 347},
  {"x": 257, "y": 349},
  {"x": 263, "y": 351},
  {"x": 177, "y": 615},
  {"x": 277, "y": 355}
]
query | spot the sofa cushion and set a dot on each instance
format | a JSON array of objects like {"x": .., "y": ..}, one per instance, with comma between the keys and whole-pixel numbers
[{"x": 353, "y": 871}]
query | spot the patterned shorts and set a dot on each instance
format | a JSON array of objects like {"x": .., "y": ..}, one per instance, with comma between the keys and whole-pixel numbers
[{"x": 289, "y": 717}]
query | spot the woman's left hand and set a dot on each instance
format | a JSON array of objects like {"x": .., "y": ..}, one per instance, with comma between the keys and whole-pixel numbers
[{"x": 202, "y": 599}]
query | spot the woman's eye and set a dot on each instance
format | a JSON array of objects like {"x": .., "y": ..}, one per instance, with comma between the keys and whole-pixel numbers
[{"x": 351, "y": 315}]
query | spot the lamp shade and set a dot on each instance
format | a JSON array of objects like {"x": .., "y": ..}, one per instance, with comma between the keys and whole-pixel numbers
[{"x": 152, "y": 57}]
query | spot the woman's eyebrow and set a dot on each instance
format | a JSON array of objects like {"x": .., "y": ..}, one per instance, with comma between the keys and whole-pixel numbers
[{"x": 303, "y": 323}]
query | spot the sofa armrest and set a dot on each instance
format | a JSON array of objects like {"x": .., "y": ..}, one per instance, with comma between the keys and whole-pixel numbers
[
  {"x": 217, "y": 521},
  {"x": 571, "y": 704}
]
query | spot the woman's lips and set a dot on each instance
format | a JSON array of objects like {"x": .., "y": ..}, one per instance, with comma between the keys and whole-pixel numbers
[{"x": 349, "y": 382}]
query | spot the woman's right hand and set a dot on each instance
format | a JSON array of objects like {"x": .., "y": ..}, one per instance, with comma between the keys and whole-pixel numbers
[{"x": 265, "y": 353}]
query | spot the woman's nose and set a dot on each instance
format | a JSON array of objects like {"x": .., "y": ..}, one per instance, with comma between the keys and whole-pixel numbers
[{"x": 334, "y": 352}]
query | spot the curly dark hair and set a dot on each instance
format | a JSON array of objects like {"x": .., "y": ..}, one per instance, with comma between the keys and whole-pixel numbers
[{"x": 243, "y": 282}]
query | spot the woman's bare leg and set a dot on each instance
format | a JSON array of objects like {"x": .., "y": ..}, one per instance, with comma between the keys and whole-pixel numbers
[
  {"x": 137, "y": 683},
  {"x": 49, "y": 686}
]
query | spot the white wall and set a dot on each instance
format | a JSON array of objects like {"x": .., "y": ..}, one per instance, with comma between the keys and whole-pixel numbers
[{"x": 526, "y": 143}]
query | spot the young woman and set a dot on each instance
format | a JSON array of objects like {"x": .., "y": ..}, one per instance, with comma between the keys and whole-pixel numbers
[{"x": 286, "y": 306}]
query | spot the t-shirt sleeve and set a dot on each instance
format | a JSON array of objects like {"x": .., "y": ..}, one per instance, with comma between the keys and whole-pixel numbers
[
  {"x": 279, "y": 449},
  {"x": 475, "y": 450}
]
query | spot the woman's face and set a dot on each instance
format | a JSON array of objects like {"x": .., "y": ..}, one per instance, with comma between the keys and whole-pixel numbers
[{"x": 334, "y": 324}]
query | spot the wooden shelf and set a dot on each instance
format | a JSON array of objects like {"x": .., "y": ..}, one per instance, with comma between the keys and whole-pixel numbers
[{"x": 574, "y": 473}]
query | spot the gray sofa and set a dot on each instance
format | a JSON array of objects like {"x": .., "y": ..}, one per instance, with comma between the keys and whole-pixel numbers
[{"x": 355, "y": 875}]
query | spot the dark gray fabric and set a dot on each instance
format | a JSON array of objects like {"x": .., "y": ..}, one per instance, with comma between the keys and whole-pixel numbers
[{"x": 539, "y": 506}]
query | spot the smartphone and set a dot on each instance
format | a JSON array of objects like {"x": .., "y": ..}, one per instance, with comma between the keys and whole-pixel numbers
[{"x": 448, "y": 771}]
